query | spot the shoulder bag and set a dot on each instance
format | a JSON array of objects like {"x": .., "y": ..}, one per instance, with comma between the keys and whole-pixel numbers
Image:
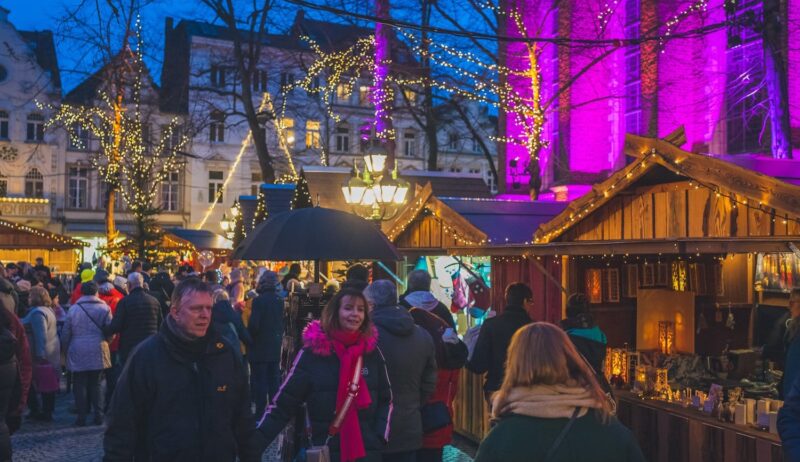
[
  {"x": 322, "y": 452},
  {"x": 560, "y": 438}
]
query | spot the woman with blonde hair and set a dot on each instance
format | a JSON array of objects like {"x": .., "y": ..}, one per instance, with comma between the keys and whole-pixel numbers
[{"x": 551, "y": 408}]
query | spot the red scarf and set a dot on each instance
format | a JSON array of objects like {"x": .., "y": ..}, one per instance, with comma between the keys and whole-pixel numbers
[{"x": 348, "y": 347}]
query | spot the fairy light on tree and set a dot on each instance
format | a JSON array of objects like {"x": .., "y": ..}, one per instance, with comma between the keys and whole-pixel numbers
[{"x": 126, "y": 159}]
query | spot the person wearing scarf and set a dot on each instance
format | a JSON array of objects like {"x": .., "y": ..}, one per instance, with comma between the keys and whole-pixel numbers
[
  {"x": 549, "y": 390},
  {"x": 326, "y": 366}
]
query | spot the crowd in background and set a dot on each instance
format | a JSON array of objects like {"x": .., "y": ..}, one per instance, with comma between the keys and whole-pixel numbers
[{"x": 375, "y": 379}]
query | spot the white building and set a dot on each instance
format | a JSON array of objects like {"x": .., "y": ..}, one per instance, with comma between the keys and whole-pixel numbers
[
  {"x": 31, "y": 158},
  {"x": 198, "y": 81}
]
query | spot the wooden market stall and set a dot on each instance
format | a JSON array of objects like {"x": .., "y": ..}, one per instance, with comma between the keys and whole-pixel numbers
[
  {"x": 477, "y": 227},
  {"x": 20, "y": 242},
  {"x": 666, "y": 251}
]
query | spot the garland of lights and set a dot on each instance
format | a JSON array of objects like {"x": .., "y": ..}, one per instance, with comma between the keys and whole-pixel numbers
[
  {"x": 642, "y": 164},
  {"x": 45, "y": 234}
]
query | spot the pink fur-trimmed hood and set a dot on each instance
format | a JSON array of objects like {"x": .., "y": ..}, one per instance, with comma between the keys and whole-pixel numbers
[{"x": 315, "y": 339}]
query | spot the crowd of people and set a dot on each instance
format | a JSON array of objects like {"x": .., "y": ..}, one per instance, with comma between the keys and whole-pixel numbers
[{"x": 191, "y": 364}]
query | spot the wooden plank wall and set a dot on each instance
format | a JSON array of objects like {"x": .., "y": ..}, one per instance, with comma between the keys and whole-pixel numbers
[
  {"x": 425, "y": 232},
  {"x": 679, "y": 210}
]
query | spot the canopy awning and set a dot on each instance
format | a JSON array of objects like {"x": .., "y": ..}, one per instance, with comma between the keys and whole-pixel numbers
[{"x": 202, "y": 239}]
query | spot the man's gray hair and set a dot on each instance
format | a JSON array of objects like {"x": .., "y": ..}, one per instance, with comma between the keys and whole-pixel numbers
[
  {"x": 382, "y": 292},
  {"x": 135, "y": 280},
  {"x": 419, "y": 280}
]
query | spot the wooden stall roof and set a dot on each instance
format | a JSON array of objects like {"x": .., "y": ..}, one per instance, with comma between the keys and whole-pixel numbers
[
  {"x": 428, "y": 223},
  {"x": 18, "y": 236},
  {"x": 670, "y": 198}
]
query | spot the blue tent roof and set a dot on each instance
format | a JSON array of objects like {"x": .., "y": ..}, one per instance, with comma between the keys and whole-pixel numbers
[
  {"x": 505, "y": 221},
  {"x": 202, "y": 239}
]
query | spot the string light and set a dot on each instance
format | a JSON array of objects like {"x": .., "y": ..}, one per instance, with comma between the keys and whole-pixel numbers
[{"x": 126, "y": 161}]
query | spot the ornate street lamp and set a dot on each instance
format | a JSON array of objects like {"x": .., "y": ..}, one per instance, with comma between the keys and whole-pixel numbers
[
  {"x": 373, "y": 193},
  {"x": 228, "y": 225}
]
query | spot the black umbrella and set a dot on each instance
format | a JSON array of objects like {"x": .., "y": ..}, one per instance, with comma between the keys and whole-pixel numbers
[{"x": 316, "y": 233}]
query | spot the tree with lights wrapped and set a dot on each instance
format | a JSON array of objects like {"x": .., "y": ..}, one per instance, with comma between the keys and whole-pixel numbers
[{"x": 126, "y": 159}]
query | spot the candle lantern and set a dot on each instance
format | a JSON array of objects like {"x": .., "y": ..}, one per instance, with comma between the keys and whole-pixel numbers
[
  {"x": 666, "y": 337},
  {"x": 641, "y": 378},
  {"x": 616, "y": 367},
  {"x": 662, "y": 382}
]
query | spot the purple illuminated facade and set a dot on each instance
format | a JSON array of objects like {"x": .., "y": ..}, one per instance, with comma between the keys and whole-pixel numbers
[{"x": 712, "y": 84}]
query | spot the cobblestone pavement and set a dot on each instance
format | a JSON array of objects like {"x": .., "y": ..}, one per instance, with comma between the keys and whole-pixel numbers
[{"x": 59, "y": 441}]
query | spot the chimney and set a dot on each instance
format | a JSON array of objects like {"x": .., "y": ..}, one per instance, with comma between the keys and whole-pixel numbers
[
  {"x": 278, "y": 197},
  {"x": 4, "y": 14}
]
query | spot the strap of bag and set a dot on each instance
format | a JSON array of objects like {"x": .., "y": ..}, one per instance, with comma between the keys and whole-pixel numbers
[
  {"x": 90, "y": 318},
  {"x": 560, "y": 438},
  {"x": 352, "y": 391}
]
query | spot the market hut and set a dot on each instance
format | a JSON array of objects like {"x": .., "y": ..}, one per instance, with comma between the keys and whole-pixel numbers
[
  {"x": 20, "y": 242},
  {"x": 678, "y": 253}
]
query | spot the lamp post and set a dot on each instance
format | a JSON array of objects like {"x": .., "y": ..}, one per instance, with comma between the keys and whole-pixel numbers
[
  {"x": 228, "y": 225},
  {"x": 374, "y": 193}
]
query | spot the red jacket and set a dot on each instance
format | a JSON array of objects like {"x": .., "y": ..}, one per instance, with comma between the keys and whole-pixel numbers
[
  {"x": 446, "y": 388},
  {"x": 111, "y": 300},
  {"x": 446, "y": 379}
]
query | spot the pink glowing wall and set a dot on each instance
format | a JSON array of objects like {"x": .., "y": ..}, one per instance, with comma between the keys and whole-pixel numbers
[
  {"x": 686, "y": 78},
  {"x": 692, "y": 78}
]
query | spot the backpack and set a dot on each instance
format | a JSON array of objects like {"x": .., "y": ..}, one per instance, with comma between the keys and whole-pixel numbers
[
  {"x": 453, "y": 355},
  {"x": 8, "y": 346}
]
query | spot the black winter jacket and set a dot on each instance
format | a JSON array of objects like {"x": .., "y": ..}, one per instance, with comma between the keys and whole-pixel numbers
[
  {"x": 314, "y": 380},
  {"x": 229, "y": 324},
  {"x": 137, "y": 317},
  {"x": 266, "y": 327},
  {"x": 411, "y": 362},
  {"x": 490, "y": 350},
  {"x": 182, "y": 402}
]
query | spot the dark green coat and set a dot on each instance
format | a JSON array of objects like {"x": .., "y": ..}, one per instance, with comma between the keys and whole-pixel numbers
[{"x": 518, "y": 438}]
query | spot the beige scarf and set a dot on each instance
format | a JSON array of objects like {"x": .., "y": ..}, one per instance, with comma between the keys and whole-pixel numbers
[{"x": 547, "y": 401}]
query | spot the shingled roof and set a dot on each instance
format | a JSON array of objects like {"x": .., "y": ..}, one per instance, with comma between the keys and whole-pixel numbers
[
  {"x": 328, "y": 35},
  {"x": 41, "y": 42}
]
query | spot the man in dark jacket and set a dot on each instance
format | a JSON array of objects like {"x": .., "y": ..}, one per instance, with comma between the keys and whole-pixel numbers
[
  {"x": 137, "y": 317},
  {"x": 495, "y": 335},
  {"x": 418, "y": 294},
  {"x": 183, "y": 394},
  {"x": 586, "y": 335},
  {"x": 411, "y": 363},
  {"x": 8, "y": 296},
  {"x": 266, "y": 330}
]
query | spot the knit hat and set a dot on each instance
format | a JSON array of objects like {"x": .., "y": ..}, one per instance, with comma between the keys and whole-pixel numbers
[
  {"x": 87, "y": 275},
  {"x": 101, "y": 276},
  {"x": 268, "y": 280},
  {"x": 120, "y": 281}
]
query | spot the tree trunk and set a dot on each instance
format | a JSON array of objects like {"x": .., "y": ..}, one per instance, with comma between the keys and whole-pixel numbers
[
  {"x": 381, "y": 90},
  {"x": 537, "y": 119},
  {"x": 111, "y": 229},
  {"x": 776, "y": 81}
]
